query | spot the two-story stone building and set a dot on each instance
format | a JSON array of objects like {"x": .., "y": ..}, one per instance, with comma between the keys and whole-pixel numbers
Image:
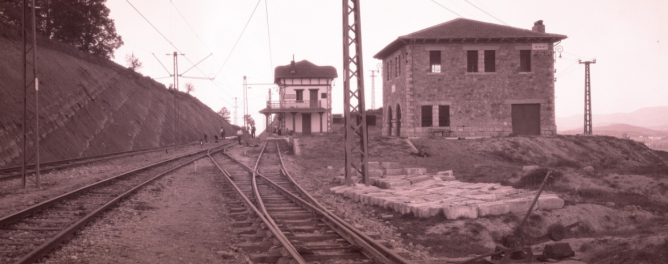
[
  {"x": 305, "y": 97},
  {"x": 469, "y": 78}
]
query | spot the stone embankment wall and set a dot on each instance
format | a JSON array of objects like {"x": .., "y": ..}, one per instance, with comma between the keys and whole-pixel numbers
[{"x": 89, "y": 106}]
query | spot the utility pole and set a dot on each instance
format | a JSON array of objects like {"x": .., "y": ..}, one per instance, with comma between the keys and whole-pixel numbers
[
  {"x": 33, "y": 81},
  {"x": 176, "y": 114},
  {"x": 587, "y": 107},
  {"x": 373, "y": 89},
  {"x": 244, "y": 101},
  {"x": 353, "y": 99},
  {"x": 235, "y": 111}
]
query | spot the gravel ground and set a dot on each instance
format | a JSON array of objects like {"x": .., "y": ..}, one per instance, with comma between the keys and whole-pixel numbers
[
  {"x": 14, "y": 198},
  {"x": 180, "y": 218}
]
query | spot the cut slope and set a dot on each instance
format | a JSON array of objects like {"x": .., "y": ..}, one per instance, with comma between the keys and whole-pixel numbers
[{"x": 90, "y": 106}]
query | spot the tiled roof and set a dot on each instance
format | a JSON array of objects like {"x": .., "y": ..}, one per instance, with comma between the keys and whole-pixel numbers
[
  {"x": 304, "y": 68},
  {"x": 462, "y": 28}
]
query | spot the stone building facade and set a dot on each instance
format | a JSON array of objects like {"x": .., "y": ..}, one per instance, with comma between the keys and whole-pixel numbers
[{"x": 467, "y": 78}]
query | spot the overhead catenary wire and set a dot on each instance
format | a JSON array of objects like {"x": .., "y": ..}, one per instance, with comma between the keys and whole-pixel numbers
[
  {"x": 486, "y": 12},
  {"x": 566, "y": 73},
  {"x": 266, "y": 8},
  {"x": 578, "y": 55},
  {"x": 235, "y": 44},
  {"x": 191, "y": 28},
  {"x": 447, "y": 8},
  {"x": 172, "y": 44}
]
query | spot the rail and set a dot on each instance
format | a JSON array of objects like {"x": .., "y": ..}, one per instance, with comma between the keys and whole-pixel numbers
[
  {"x": 264, "y": 216},
  {"x": 372, "y": 250},
  {"x": 68, "y": 232},
  {"x": 60, "y": 164},
  {"x": 394, "y": 257}
]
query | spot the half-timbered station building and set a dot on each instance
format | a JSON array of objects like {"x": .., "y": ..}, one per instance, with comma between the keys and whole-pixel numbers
[
  {"x": 469, "y": 78},
  {"x": 305, "y": 97}
]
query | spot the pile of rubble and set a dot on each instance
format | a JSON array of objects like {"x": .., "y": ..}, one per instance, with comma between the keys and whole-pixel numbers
[{"x": 411, "y": 190}]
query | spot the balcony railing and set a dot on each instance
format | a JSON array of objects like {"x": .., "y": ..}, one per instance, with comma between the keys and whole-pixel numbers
[{"x": 294, "y": 104}]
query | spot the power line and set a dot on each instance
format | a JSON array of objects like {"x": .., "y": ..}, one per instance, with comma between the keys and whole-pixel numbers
[
  {"x": 191, "y": 28},
  {"x": 486, "y": 12},
  {"x": 566, "y": 73},
  {"x": 447, "y": 8},
  {"x": 579, "y": 55},
  {"x": 266, "y": 8},
  {"x": 235, "y": 44},
  {"x": 172, "y": 44}
]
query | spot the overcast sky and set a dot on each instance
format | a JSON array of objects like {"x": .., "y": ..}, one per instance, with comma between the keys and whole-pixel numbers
[{"x": 627, "y": 38}]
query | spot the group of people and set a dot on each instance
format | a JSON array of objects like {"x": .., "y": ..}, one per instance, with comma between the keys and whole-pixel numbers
[{"x": 222, "y": 135}]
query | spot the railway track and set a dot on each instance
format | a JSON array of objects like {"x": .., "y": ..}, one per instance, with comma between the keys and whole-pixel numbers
[
  {"x": 15, "y": 172},
  {"x": 28, "y": 235},
  {"x": 280, "y": 219}
]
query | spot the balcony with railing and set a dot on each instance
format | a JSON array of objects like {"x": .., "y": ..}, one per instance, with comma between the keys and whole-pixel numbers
[{"x": 293, "y": 106}]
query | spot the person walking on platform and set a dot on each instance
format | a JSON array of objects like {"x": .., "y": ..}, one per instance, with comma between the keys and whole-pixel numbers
[
  {"x": 222, "y": 133},
  {"x": 239, "y": 134},
  {"x": 253, "y": 131}
]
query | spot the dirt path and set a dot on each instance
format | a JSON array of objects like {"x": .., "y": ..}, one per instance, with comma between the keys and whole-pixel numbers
[{"x": 178, "y": 219}]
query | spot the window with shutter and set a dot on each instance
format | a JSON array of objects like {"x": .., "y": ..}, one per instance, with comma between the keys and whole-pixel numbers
[
  {"x": 490, "y": 61},
  {"x": 426, "y": 115},
  {"x": 300, "y": 94},
  {"x": 444, "y": 115},
  {"x": 435, "y": 61},
  {"x": 472, "y": 61},
  {"x": 525, "y": 60}
]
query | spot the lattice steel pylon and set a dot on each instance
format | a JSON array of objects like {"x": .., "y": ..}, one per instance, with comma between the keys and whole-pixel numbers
[
  {"x": 28, "y": 84},
  {"x": 353, "y": 99},
  {"x": 587, "y": 106}
]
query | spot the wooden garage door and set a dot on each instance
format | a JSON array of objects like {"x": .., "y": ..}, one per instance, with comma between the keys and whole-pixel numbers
[{"x": 526, "y": 119}]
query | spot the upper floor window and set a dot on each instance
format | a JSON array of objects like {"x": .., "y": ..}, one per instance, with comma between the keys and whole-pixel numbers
[
  {"x": 396, "y": 64},
  {"x": 426, "y": 115},
  {"x": 472, "y": 61},
  {"x": 490, "y": 61},
  {"x": 300, "y": 94},
  {"x": 435, "y": 61},
  {"x": 323, "y": 95},
  {"x": 399, "y": 65},
  {"x": 387, "y": 70},
  {"x": 525, "y": 60}
]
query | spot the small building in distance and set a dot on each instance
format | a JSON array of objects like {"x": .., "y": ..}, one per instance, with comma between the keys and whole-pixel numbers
[
  {"x": 304, "y": 105},
  {"x": 469, "y": 78}
]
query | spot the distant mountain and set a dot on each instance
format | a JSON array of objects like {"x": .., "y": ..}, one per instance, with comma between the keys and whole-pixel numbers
[
  {"x": 649, "y": 117},
  {"x": 617, "y": 130}
]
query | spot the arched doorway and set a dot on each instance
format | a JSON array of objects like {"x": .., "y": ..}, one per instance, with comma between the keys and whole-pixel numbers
[
  {"x": 389, "y": 121},
  {"x": 398, "y": 120}
]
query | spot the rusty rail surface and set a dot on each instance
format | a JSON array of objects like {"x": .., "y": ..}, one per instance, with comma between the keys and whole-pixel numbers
[{"x": 65, "y": 233}]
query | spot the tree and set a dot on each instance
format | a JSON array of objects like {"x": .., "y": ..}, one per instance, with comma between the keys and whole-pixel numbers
[
  {"x": 190, "y": 87},
  {"x": 225, "y": 114},
  {"x": 249, "y": 120},
  {"x": 84, "y": 24},
  {"x": 133, "y": 62}
]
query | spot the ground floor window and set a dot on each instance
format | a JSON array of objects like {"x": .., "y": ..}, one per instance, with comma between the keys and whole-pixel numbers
[
  {"x": 444, "y": 115},
  {"x": 427, "y": 116}
]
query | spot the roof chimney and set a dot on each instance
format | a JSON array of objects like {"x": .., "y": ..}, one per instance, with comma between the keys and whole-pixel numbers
[
  {"x": 292, "y": 65},
  {"x": 538, "y": 27}
]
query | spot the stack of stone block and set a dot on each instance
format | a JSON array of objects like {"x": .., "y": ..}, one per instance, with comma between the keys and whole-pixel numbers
[{"x": 413, "y": 191}]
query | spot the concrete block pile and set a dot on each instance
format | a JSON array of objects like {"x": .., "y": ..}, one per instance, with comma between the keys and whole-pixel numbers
[{"x": 407, "y": 190}]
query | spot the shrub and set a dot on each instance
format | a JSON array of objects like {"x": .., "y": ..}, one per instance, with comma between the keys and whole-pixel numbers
[{"x": 536, "y": 177}]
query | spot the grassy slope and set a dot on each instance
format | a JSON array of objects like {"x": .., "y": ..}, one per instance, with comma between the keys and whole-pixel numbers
[{"x": 89, "y": 106}]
